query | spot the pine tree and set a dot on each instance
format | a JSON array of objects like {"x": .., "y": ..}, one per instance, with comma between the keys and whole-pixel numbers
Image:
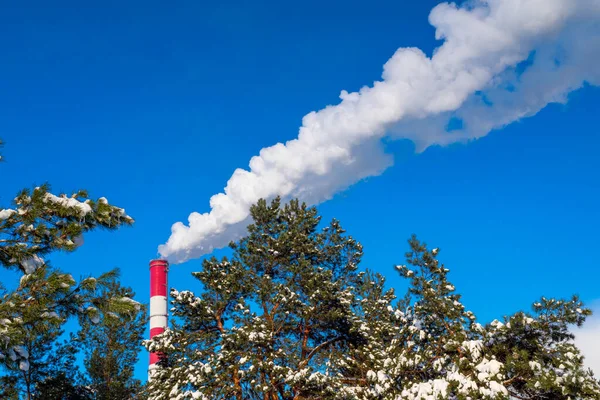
[
  {"x": 111, "y": 349},
  {"x": 438, "y": 350},
  {"x": 290, "y": 317},
  {"x": 267, "y": 318},
  {"x": 33, "y": 315}
]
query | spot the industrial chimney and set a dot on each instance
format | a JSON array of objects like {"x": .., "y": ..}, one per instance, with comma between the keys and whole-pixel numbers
[{"x": 159, "y": 270}]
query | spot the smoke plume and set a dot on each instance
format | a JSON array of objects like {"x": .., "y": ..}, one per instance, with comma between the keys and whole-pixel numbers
[
  {"x": 500, "y": 61},
  {"x": 586, "y": 338}
]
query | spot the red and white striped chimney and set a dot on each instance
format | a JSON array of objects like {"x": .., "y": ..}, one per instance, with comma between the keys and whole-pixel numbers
[{"x": 159, "y": 270}]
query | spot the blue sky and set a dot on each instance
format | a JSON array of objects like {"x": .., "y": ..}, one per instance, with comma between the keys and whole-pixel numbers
[{"x": 154, "y": 106}]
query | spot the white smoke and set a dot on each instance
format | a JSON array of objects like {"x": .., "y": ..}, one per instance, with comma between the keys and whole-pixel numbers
[
  {"x": 587, "y": 338},
  {"x": 500, "y": 61}
]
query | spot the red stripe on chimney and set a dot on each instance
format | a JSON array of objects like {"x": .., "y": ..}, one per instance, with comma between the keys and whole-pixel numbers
[
  {"x": 158, "y": 278},
  {"x": 154, "y": 358},
  {"x": 156, "y": 331}
]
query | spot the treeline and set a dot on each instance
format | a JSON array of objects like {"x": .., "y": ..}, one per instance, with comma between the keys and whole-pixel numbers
[{"x": 291, "y": 316}]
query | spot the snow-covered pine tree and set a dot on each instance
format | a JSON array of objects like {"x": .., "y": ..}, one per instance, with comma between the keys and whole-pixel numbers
[
  {"x": 33, "y": 314},
  {"x": 437, "y": 350},
  {"x": 289, "y": 317},
  {"x": 266, "y": 320}
]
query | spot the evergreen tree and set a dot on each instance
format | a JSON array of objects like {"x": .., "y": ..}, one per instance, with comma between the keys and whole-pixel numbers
[
  {"x": 267, "y": 318},
  {"x": 111, "y": 349},
  {"x": 290, "y": 317},
  {"x": 32, "y": 316}
]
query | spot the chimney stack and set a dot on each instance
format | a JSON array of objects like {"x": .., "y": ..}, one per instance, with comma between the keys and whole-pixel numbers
[{"x": 159, "y": 270}]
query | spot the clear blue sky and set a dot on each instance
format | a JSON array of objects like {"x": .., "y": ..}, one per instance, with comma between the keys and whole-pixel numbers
[{"x": 154, "y": 106}]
